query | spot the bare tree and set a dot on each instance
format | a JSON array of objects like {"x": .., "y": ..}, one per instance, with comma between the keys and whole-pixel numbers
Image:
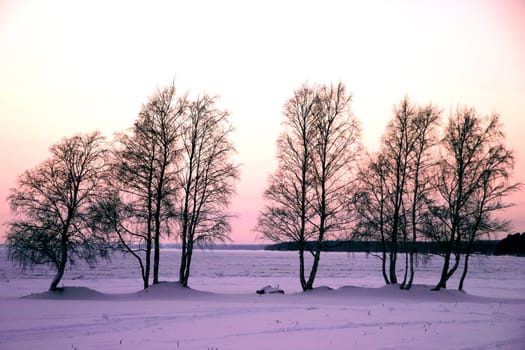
[
  {"x": 393, "y": 187},
  {"x": 398, "y": 147},
  {"x": 52, "y": 205},
  {"x": 127, "y": 209},
  {"x": 290, "y": 189},
  {"x": 384, "y": 185},
  {"x": 141, "y": 191},
  {"x": 207, "y": 178},
  {"x": 421, "y": 167},
  {"x": 310, "y": 189},
  {"x": 373, "y": 206},
  {"x": 334, "y": 156},
  {"x": 472, "y": 183},
  {"x": 494, "y": 186},
  {"x": 165, "y": 113}
]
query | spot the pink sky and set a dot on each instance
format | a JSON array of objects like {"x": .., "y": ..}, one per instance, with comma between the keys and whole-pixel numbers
[{"x": 69, "y": 67}]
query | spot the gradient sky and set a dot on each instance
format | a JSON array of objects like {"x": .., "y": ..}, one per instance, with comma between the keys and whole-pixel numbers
[{"x": 77, "y": 66}]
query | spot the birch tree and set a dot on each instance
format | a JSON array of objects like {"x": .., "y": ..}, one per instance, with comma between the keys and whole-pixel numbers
[
  {"x": 309, "y": 192},
  {"x": 52, "y": 203},
  {"x": 207, "y": 178},
  {"x": 373, "y": 206},
  {"x": 141, "y": 192},
  {"x": 394, "y": 187},
  {"x": 289, "y": 215},
  {"x": 472, "y": 183},
  {"x": 421, "y": 169},
  {"x": 334, "y": 159}
]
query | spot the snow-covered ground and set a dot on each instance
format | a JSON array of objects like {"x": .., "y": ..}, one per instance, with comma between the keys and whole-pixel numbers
[{"x": 103, "y": 307}]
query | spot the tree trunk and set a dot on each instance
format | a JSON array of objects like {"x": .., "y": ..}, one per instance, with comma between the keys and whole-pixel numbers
[
  {"x": 412, "y": 250},
  {"x": 184, "y": 244},
  {"x": 148, "y": 233},
  {"x": 383, "y": 260},
  {"x": 148, "y": 264},
  {"x": 61, "y": 267},
  {"x": 58, "y": 276},
  {"x": 317, "y": 255},
  {"x": 393, "y": 253},
  {"x": 188, "y": 265},
  {"x": 156, "y": 258},
  {"x": 393, "y": 258},
  {"x": 185, "y": 276},
  {"x": 455, "y": 238},
  {"x": 186, "y": 237},
  {"x": 411, "y": 273},
  {"x": 447, "y": 271},
  {"x": 442, "y": 284},
  {"x": 156, "y": 239},
  {"x": 414, "y": 231},
  {"x": 398, "y": 204},
  {"x": 464, "y": 274},
  {"x": 145, "y": 281},
  {"x": 313, "y": 271},
  {"x": 467, "y": 255},
  {"x": 383, "y": 268},
  {"x": 405, "y": 276},
  {"x": 182, "y": 268},
  {"x": 457, "y": 257},
  {"x": 302, "y": 279},
  {"x": 470, "y": 242}
]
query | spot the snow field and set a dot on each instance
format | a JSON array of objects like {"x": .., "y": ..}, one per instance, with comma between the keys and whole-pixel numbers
[{"x": 108, "y": 312}]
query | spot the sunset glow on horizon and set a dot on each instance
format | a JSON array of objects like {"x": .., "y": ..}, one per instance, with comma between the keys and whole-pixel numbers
[{"x": 69, "y": 67}]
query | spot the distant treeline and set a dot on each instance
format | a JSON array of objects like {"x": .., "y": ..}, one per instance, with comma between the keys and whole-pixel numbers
[
  {"x": 513, "y": 244},
  {"x": 218, "y": 246}
]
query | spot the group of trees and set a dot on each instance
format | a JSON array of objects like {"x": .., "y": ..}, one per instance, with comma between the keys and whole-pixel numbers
[
  {"x": 308, "y": 193},
  {"x": 513, "y": 244},
  {"x": 52, "y": 203},
  {"x": 424, "y": 183},
  {"x": 172, "y": 173},
  {"x": 422, "y": 186},
  {"x": 394, "y": 185}
]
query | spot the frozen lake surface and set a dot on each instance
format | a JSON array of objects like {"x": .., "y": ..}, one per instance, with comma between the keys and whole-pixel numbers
[
  {"x": 238, "y": 271},
  {"x": 109, "y": 312}
]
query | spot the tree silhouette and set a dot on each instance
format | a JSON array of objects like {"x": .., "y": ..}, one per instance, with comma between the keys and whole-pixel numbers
[
  {"x": 206, "y": 179},
  {"x": 309, "y": 192},
  {"x": 472, "y": 182},
  {"x": 333, "y": 159},
  {"x": 394, "y": 186},
  {"x": 374, "y": 207},
  {"x": 290, "y": 189},
  {"x": 52, "y": 203},
  {"x": 139, "y": 198},
  {"x": 422, "y": 167}
]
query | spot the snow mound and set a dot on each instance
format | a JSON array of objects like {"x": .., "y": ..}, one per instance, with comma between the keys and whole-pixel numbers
[
  {"x": 321, "y": 290},
  {"x": 416, "y": 293},
  {"x": 70, "y": 293},
  {"x": 169, "y": 290},
  {"x": 161, "y": 291},
  {"x": 174, "y": 291}
]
